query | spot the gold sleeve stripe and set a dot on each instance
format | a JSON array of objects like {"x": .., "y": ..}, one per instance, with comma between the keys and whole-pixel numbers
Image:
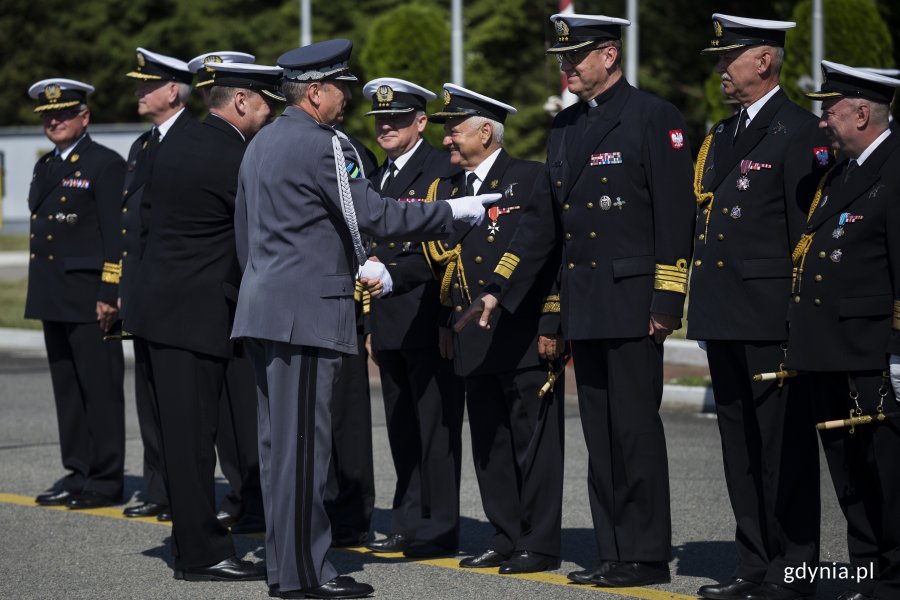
[
  {"x": 672, "y": 278},
  {"x": 112, "y": 272},
  {"x": 363, "y": 297},
  {"x": 551, "y": 304},
  {"x": 896, "y": 322},
  {"x": 507, "y": 264}
]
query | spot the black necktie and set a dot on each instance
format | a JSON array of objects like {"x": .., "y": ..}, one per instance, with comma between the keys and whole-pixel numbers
[
  {"x": 851, "y": 166},
  {"x": 741, "y": 126},
  {"x": 471, "y": 177},
  {"x": 154, "y": 142},
  {"x": 392, "y": 172}
]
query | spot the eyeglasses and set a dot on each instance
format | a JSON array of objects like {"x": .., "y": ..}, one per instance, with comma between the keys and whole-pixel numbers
[{"x": 574, "y": 57}]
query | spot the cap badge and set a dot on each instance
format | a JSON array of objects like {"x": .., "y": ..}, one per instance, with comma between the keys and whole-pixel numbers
[
  {"x": 385, "y": 95},
  {"x": 140, "y": 60},
  {"x": 212, "y": 59},
  {"x": 562, "y": 30},
  {"x": 446, "y": 98},
  {"x": 717, "y": 27},
  {"x": 52, "y": 92}
]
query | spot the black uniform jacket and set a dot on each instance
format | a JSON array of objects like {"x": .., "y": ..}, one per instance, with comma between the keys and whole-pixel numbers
[
  {"x": 136, "y": 208},
  {"x": 741, "y": 273},
  {"x": 187, "y": 283},
  {"x": 75, "y": 239},
  {"x": 846, "y": 314},
  {"x": 511, "y": 343},
  {"x": 618, "y": 189},
  {"x": 409, "y": 319}
]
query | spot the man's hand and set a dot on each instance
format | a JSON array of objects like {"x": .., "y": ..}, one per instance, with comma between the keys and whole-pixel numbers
[
  {"x": 549, "y": 347},
  {"x": 895, "y": 375},
  {"x": 661, "y": 326},
  {"x": 106, "y": 315},
  {"x": 375, "y": 278},
  {"x": 471, "y": 208},
  {"x": 483, "y": 306},
  {"x": 445, "y": 342}
]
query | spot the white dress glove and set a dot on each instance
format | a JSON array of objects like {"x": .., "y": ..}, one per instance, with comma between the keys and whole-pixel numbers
[
  {"x": 471, "y": 208},
  {"x": 895, "y": 375},
  {"x": 376, "y": 270}
]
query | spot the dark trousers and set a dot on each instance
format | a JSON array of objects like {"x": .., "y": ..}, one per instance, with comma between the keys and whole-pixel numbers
[
  {"x": 771, "y": 462},
  {"x": 423, "y": 405},
  {"x": 517, "y": 446},
  {"x": 865, "y": 475},
  {"x": 619, "y": 393},
  {"x": 154, "y": 482},
  {"x": 350, "y": 492},
  {"x": 186, "y": 386},
  {"x": 236, "y": 440},
  {"x": 87, "y": 375}
]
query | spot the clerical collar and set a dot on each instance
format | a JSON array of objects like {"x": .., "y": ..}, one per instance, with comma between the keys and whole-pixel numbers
[{"x": 607, "y": 95}]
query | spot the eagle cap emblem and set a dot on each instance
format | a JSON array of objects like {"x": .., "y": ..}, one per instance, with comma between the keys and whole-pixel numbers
[
  {"x": 385, "y": 95},
  {"x": 562, "y": 30},
  {"x": 140, "y": 60},
  {"x": 446, "y": 97},
  {"x": 212, "y": 59},
  {"x": 52, "y": 91},
  {"x": 717, "y": 28}
]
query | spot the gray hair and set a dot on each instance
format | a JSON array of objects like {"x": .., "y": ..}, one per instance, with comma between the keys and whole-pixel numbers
[
  {"x": 220, "y": 95},
  {"x": 294, "y": 91},
  {"x": 476, "y": 122},
  {"x": 879, "y": 112},
  {"x": 777, "y": 59},
  {"x": 184, "y": 92}
]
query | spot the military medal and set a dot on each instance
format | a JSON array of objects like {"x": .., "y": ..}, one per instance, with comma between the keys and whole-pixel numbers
[
  {"x": 836, "y": 255},
  {"x": 838, "y": 232},
  {"x": 508, "y": 192},
  {"x": 494, "y": 213},
  {"x": 743, "y": 182},
  {"x": 494, "y": 184},
  {"x": 735, "y": 212},
  {"x": 605, "y": 202},
  {"x": 619, "y": 203}
]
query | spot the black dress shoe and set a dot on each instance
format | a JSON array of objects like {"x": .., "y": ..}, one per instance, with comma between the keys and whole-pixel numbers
[
  {"x": 147, "y": 509},
  {"x": 851, "y": 595},
  {"x": 230, "y": 569},
  {"x": 339, "y": 587},
  {"x": 634, "y": 574},
  {"x": 427, "y": 550},
  {"x": 87, "y": 500},
  {"x": 249, "y": 524},
  {"x": 588, "y": 576},
  {"x": 735, "y": 589},
  {"x": 526, "y": 561},
  {"x": 55, "y": 498},
  {"x": 396, "y": 542},
  {"x": 165, "y": 516},
  {"x": 487, "y": 559},
  {"x": 771, "y": 591},
  {"x": 226, "y": 519},
  {"x": 349, "y": 539}
]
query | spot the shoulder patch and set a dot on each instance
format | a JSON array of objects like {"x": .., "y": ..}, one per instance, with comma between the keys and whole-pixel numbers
[{"x": 353, "y": 170}]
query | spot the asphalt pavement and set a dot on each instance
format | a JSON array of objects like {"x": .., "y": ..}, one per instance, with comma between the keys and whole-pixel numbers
[{"x": 57, "y": 553}]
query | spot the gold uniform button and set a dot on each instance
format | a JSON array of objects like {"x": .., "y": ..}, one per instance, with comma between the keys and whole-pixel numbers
[
  {"x": 124, "y": 253},
  {"x": 374, "y": 244},
  {"x": 458, "y": 308},
  {"x": 124, "y": 192},
  {"x": 566, "y": 206},
  {"x": 698, "y": 262},
  {"x": 481, "y": 282},
  {"x": 817, "y": 302},
  {"x": 725, "y": 211},
  {"x": 62, "y": 199},
  {"x": 822, "y": 254},
  {"x": 33, "y": 217},
  {"x": 568, "y": 236},
  {"x": 720, "y": 237},
  {"x": 32, "y": 255},
  {"x": 558, "y": 184},
  {"x": 490, "y": 239},
  {"x": 593, "y": 264},
  {"x": 124, "y": 209},
  {"x": 571, "y": 265},
  {"x": 590, "y": 205},
  {"x": 49, "y": 238},
  {"x": 392, "y": 245},
  {"x": 720, "y": 263},
  {"x": 796, "y": 299},
  {"x": 49, "y": 217},
  {"x": 593, "y": 234},
  {"x": 32, "y": 236},
  {"x": 701, "y": 237},
  {"x": 50, "y": 257},
  {"x": 604, "y": 180},
  {"x": 818, "y": 278},
  {"x": 456, "y": 285},
  {"x": 124, "y": 231},
  {"x": 478, "y": 260}
]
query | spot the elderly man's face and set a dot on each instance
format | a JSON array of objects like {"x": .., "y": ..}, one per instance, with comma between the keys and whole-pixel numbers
[
  {"x": 465, "y": 142},
  {"x": 839, "y": 120},
  {"x": 153, "y": 97},
  {"x": 739, "y": 70},
  {"x": 587, "y": 71},
  {"x": 64, "y": 127},
  {"x": 397, "y": 134},
  {"x": 258, "y": 111}
]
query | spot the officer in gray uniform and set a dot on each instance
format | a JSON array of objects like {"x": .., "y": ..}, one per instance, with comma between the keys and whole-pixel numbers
[{"x": 298, "y": 218}]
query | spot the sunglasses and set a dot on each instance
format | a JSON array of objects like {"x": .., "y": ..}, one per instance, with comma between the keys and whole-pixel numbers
[
  {"x": 61, "y": 115},
  {"x": 574, "y": 57}
]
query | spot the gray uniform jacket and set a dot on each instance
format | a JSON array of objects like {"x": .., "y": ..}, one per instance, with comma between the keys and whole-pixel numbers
[{"x": 293, "y": 244}]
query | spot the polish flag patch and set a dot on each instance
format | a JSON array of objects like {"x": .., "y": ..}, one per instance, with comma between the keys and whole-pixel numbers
[{"x": 677, "y": 138}]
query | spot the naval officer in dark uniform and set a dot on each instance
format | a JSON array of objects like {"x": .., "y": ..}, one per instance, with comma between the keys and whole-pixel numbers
[
  {"x": 163, "y": 88},
  {"x": 619, "y": 194},
  {"x": 183, "y": 303},
  {"x": 423, "y": 398},
  {"x": 845, "y": 320},
  {"x": 517, "y": 432},
  {"x": 298, "y": 224},
  {"x": 754, "y": 173},
  {"x": 73, "y": 278}
]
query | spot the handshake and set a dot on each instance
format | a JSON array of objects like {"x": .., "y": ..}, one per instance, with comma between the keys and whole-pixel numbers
[{"x": 374, "y": 275}]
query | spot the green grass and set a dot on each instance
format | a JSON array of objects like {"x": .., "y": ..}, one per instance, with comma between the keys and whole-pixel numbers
[
  {"x": 695, "y": 380},
  {"x": 17, "y": 241},
  {"x": 12, "y": 305}
]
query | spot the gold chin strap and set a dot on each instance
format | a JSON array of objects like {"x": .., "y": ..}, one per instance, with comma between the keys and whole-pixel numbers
[
  {"x": 798, "y": 256},
  {"x": 448, "y": 259},
  {"x": 699, "y": 171}
]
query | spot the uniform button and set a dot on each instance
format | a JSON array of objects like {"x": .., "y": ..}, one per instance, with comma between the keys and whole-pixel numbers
[
  {"x": 720, "y": 237},
  {"x": 593, "y": 234},
  {"x": 124, "y": 253},
  {"x": 50, "y": 257},
  {"x": 124, "y": 192},
  {"x": 392, "y": 245},
  {"x": 593, "y": 264},
  {"x": 818, "y": 278},
  {"x": 796, "y": 299},
  {"x": 701, "y": 237},
  {"x": 32, "y": 256},
  {"x": 32, "y": 236},
  {"x": 124, "y": 209},
  {"x": 720, "y": 263},
  {"x": 49, "y": 217},
  {"x": 62, "y": 199},
  {"x": 558, "y": 184},
  {"x": 490, "y": 239},
  {"x": 49, "y": 238},
  {"x": 698, "y": 262},
  {"x": 604, "y": 180},
  {"x": 374, "y": 244},
  {"x": 590, "y": 205},
  {"x": 456, "y": 285},
  {"x": 481, "y": 282},
  {"x": 705, "y": 211},
  {"x": 822, "y": 254},
  {"x": 458, "y": 308},
  {"x": 817, "y": 302},
  {"x": 725, "y": 211},
  {"x": 568, "y": 236},
  {"x": 571, "y": 265},
  {"x": 124, "y": 231},
  {"x": 33, "y": 217},
  {"x": 478, "y": 260},
  {"x": 566, "y": 206}
]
